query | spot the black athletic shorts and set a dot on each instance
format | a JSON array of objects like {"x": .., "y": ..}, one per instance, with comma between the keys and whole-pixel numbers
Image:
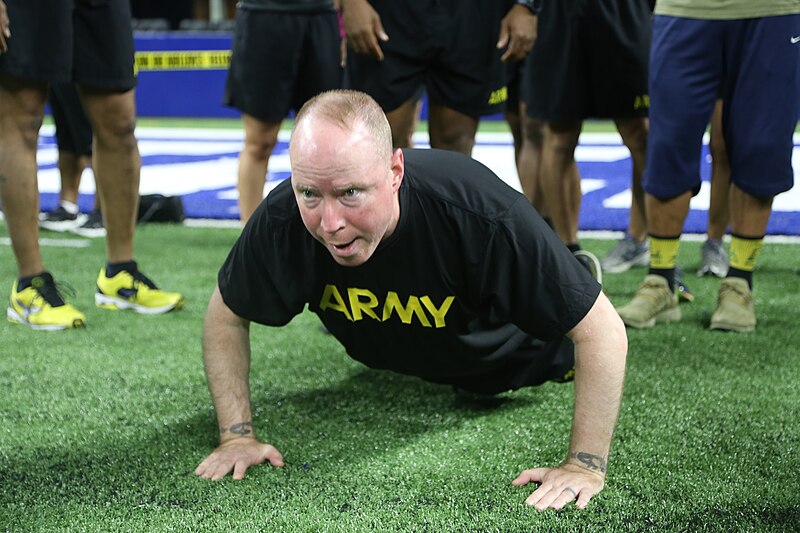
[
  {"x": 281, "y": 60},
  {"x": 73, "y": 131},
  {"x": 89, "y": 42},
  {"x": 534, "y": 363},
  {"x": 449, "y": 46},
  {"x": 590, "y": 60},
  {"x": 516, "y": 83}
]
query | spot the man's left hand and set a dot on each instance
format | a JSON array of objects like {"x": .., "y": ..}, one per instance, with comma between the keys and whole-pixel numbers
[{"x": 561, "y": 485}]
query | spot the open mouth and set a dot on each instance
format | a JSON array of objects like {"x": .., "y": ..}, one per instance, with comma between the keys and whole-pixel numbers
[{"x": 343, "y": 247}]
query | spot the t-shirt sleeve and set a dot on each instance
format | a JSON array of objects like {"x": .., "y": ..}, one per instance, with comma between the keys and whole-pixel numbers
[
  {"x": 256, "y": 280},
  {"x": 532, "y": 279}
]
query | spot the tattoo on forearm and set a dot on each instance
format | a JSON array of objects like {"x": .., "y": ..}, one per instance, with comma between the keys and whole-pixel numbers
[
  {"x": 590, "y": 461},
  {"x": 242, "y": 428}
]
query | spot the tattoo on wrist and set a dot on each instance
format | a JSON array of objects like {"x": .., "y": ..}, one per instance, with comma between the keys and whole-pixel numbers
[
  {"x": 242, "y": 428},
  {"x": 590, "y": 461}
]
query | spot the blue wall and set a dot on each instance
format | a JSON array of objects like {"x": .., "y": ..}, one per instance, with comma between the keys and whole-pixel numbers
[{"x": 182, "y": 74}]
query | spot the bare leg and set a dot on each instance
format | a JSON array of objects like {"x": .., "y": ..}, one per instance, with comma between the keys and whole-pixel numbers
[
  {"x": 408, "y": 141},
  {"x": 21, "y": 114},
  {"x": 71, "y": 167},
  {"x": 513, "y": 116},
  {"x": 451, "y": 130},
  {"x": 749, "y": 214},
  {"x": 634, "y": 135},
  {"x": 665, "y": 218},
  {"x": 560, "y": 184},
  {"x": 116, "y": 166},
  {"x": 403, "y": 122},
  {"x": 260, "y": 138},
  {"x": 718, "y": 211},
  {"x": 530, "y": 155}
]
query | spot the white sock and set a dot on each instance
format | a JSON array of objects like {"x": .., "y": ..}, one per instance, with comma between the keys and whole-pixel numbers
[{"x": 69, "y": 207}]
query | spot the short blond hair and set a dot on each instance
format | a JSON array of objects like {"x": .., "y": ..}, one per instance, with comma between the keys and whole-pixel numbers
[{"x": 350, "y": 110}]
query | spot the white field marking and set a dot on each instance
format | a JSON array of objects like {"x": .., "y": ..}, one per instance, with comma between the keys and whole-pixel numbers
[
  {"x": 189, "y": 177},
  {"x": 694, "y": 237},
  {"x": 55, "y": 243},
  {"x": 593, "y": 234},
  {"x": 212, "y": 223}
]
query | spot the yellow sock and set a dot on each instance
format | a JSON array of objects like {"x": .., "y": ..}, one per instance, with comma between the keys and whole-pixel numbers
[
  {"x": 744, "y": 252},
  {"x": 664, "y": 252}
]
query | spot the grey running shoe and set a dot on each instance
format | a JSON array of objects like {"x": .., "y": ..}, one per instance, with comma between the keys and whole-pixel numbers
[
  {"x": 625, "y": 255},
  {"x": 590, "y": 262},
  {"x": 714, "y": 259},
  {"x": 59, "y": 219},
  {"x": 652, "y": 303},
  {"x": 92, "y": 227},
  {"x": 735, "y": 310}
]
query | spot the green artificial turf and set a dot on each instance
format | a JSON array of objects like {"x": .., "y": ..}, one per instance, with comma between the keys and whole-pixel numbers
[{"x": 101, "y": 429}]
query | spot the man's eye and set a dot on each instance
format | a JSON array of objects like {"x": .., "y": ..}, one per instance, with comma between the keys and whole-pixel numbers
[
  {"x": 307, "y": 193},
  {"x": 351, "y": 192}
]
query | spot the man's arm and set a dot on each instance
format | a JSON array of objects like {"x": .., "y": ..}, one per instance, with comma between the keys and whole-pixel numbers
[
  {"x": 601, "y": 347},
  {"x": 226, "y": 357}
]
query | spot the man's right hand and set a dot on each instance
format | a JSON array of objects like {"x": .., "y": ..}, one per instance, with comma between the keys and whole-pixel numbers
[
  {"x": 363, "y": 28},
  {"x": 237, "y": 454},
  {"x": 5, "y": 27}
]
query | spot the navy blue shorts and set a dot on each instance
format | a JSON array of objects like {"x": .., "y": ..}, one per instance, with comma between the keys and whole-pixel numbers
[{"x": 755, "y": 67}]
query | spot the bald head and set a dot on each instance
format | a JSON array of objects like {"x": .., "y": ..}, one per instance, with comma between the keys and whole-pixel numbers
[{"x": 353, "y": 112}]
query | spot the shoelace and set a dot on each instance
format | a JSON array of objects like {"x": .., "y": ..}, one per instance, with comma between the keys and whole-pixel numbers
[
  {"x": 51, "y": 292},
  {"x": 653, "y": 295},
  {"x": 141, "y": 279},
  {"x": 732, "y": 290}
]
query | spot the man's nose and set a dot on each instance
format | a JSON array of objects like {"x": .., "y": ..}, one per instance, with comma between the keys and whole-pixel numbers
[{"x": 332, "y": 219}]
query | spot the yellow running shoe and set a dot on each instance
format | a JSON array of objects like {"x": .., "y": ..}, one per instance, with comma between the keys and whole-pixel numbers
[
  {"x": 41, "y": 306},
  {"x": 134, "y": 290}
]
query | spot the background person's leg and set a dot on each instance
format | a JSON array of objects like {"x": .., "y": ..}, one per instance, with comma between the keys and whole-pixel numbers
[
  {"x": 21, "y": 114},
  {"x": 714, "y": 259},
  {"x": 633, "y": 249},
  {"x": 116, "y": 164},
  {"x": 260, "y": 138},
  {"x": 403, "y": 122},
  {"x": 559, "y": 184},
  {"x": 450, "y": 129}
]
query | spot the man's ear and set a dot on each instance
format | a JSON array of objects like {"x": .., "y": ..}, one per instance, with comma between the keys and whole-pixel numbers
[{"x": 398, "y": 169}]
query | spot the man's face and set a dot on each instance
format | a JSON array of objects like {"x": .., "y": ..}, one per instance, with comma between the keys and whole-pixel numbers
[{"x": 346, "y": 192}]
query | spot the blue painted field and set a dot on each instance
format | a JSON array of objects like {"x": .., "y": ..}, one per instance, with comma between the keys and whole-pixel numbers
[{"x": 200, "y": 166}]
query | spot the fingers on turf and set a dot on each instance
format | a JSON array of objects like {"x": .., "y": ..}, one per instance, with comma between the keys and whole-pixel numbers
[
  {"x": 275, "y": 458},
  {"x": 532, "y": 475},
  {"x": 239, "y": 469}
]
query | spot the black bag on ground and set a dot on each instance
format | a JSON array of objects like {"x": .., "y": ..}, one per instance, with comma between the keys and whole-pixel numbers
[{"x": 160, "y": 208}]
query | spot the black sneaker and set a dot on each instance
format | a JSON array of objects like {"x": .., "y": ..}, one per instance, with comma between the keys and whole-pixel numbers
[
  {"x": 59, "y": 219},
  {"x": 93, "y": 226}
]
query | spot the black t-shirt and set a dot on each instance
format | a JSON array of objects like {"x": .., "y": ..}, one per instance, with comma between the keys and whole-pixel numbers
[{"x": 469, "y": 275}]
